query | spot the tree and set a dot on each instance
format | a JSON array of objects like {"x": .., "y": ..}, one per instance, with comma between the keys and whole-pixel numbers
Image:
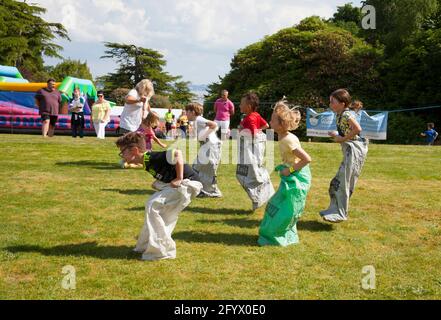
[
  {"x": 181, "y": 94},
  {"x": 348, "y": 13},
  {"x": 159, "y": 101},
  {"x": 135, "y": 64},
  {"x": 434, "y": 20},
  {"x": 119, "y": 95},
  {"x": 349, "y": 18},
  {"x": 304, "y": 63},
  {"x": 397, "y": 21},
  {"x": 73, "y": 68},
  {"x": 25, "y": 37}
]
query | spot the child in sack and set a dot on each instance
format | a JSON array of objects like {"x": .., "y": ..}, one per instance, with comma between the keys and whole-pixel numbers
[
  {"x": 251, "y": 172},
  {"x": 354, "y": 148},
  {"x": 278, "y": 226},
  {"x": 177, "y": 185},
  {"x": 209, "y": 154}
]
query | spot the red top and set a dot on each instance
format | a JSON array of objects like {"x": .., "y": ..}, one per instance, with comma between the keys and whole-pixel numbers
[{"x": 253, "y": 122}]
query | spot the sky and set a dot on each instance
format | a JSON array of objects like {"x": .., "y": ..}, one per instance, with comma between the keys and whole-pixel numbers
[{"x": 198, "y": 38}]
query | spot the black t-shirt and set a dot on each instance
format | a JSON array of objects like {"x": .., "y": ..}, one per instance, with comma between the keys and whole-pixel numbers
[{"x": 158, "y": 166}]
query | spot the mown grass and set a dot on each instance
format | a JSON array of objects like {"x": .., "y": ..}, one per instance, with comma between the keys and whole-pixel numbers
[{"x": 66, "y": 202}]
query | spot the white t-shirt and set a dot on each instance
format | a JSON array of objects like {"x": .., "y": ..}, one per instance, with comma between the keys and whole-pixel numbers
[
  {"x": 132, "y": 113},
  {"x": 202, "y": 130}
]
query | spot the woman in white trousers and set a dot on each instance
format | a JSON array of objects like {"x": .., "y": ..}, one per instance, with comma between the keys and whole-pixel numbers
[{"x": 100, "y": 116}]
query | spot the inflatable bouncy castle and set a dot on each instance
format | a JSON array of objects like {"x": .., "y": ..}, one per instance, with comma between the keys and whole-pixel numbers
[
  {"x": 18, "y": 110},
  {"x": 11, "y": 74}
]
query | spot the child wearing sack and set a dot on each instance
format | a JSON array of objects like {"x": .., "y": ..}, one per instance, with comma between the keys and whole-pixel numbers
[
  {"x": 209, "y": 154},
  {"x": 354, "y": 149},
  {"x": 284, "y": 209},
  {"x": 251, "y": 171},
  {"x": 177, "y": 185}
]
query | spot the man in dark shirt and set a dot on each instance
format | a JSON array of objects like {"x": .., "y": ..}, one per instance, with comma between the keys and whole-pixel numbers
[{"x": 48, "y": 101}]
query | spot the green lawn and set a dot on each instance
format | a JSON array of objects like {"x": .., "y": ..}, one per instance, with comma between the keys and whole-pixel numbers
[{"x": 66, "y": 202}]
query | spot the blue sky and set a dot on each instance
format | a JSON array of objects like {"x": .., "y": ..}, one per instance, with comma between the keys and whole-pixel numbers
[{"x": 197, "y": 37}]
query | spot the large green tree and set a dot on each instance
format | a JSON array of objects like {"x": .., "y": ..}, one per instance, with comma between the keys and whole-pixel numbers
[
  {"x": 25, "y": 38},
  {"x": 397, "y": 21},
  {"x": 72, "y": 68},
  {"x": 137, "y": 63},
  {"x": 304, "y": 63},
  {"x": 181, "y": 93},
  {"x": 348, "y": 13},
  {"x": 348, "y": 17}
]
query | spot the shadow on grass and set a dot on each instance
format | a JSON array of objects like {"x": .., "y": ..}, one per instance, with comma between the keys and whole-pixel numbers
[
  {"x": 217, "y": 210},
  {"x": 241, "y": 223},
  {"x": 90, "y": 164},
  {"x": 222, "y": 238},
  {"x": 131, "y": 192},
  {"x": 136, "y": 209},
  {"x": 89, "y": 249},
  {"x": 313, "y": 226}
]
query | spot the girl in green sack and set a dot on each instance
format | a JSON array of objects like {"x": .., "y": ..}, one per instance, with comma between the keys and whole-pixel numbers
[{"x": 278, "y": 226}]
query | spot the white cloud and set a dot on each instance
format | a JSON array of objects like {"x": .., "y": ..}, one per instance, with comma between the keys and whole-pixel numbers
[{"x": 203, "y": 30}]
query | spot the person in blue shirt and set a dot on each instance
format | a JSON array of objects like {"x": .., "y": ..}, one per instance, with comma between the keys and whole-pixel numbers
[{"x": 430, "y": 134}]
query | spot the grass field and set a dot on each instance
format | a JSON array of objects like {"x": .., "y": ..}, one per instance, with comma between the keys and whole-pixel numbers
[{"x": 66, "y": 202}]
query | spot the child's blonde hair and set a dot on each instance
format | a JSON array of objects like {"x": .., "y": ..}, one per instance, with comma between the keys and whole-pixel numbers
[
  {"x": 152, "y": 119},
  {"x": 289, "y": 118},
  {"x": 145, "y": 88},
  {"x": 195, "y": 107},
  {"x": 357, "y": 105}
]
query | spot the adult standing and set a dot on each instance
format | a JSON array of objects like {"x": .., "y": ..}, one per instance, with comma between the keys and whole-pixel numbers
[
  {"x": 224, "y": 109},
  {"x": 168, "y": 121},
  {"x": 183, "y": 124},
  {"x": 76, "y": 107},
  {"x": 135, "y": 107},
  {"x": 100, "y": 115},
  {"x": 48, "y": 101}
]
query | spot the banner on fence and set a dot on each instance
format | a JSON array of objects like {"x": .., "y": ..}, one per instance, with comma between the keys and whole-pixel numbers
[{"x": 320, "y": 124}]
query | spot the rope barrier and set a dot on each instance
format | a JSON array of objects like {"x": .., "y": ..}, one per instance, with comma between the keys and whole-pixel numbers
[{"x": 379, "y": 111}]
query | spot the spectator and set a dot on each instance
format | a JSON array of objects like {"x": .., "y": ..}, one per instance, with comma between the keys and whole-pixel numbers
[
  {"x": 76, "y": 107},
  {"x": 100, "y": 116},
  {"x": 168, "y": 121},
  {"x": 48, "y": 101},
  {"x": 224, "y": 109},
  {"x": 183, "y": 124}
]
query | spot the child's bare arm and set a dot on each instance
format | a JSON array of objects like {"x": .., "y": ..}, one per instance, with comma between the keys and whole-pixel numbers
[
  {"x": 305, "y": 159},
  {"x": 145, "y": 109},
  {"x": 155, "y": 138},
  {"x": 179, "y": 169},
  {"x": 212, "y": 125},
  {"x": 355, "y": 129}
]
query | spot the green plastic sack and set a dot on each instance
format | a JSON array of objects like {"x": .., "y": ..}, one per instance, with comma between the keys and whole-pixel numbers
[{"x": 278, "y": 227}]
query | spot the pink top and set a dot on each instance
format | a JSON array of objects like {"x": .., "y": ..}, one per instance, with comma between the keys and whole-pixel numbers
[
  {"x": 223, "y": 108},
  {"x": 149, "y": 134}
]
